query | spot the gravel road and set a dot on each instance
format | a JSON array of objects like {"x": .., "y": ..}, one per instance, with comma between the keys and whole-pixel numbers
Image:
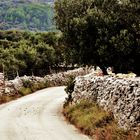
[{"x": 37, "y": 117}]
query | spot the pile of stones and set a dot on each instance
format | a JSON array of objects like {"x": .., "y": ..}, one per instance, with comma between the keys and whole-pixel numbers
[{"x": 59, "y": 79}]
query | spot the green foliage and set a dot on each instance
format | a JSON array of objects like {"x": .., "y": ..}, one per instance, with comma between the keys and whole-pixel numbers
[
  {"x": 101, "y": 32},
  {"x": 26, "y": 15},
  {"x": 31, "y": 86},
  {"x": 70, "y": 84},
  {"x": 27, "y": 83},
  {"x": 38, "y": 86},
  {"x": 24, "y": 91},
  {"x": 29, "y": 53},
  {"x": 69, "y": 89}
]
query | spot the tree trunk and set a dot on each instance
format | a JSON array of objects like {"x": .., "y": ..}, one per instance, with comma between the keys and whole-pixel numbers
[{"x": 104, "y": 70}]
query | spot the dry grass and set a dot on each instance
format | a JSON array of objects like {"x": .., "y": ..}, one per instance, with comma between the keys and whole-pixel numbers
[
  {"x": 94, "y": 121},
  {"x": 8, "y": 98}
]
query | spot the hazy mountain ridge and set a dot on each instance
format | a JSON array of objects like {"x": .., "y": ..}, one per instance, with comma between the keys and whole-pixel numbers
[
  {"x": 26, "y": 15},
  {"x": 41, "y": 1},
  {"x": 26, "y": 1}
]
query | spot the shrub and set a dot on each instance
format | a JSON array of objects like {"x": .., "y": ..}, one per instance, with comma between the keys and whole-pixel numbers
[
  {"x": 27, "y": 83},
  {"x": 38, "y": 86},
  {"x": 69, "y": 89},
  {"x": 30, "y": 87},
  {"x": 24, "y": 91}
]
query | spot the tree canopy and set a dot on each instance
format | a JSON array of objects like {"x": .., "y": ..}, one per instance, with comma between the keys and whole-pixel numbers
[
  {"x": 30, "y": 53},
  {"x": 101, "y": 32}
]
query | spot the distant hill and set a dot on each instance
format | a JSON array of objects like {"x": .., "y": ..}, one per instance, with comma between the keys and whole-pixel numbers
[
  {"x": 31, "y": 15},
  {"x": 42, "y": 1},
  {"x": 25, "y": 1}
]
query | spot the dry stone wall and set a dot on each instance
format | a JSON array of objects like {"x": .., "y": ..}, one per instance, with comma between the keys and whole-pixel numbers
[
  {"x": 57, "y": 79},
  {"x": 1, "y": 83},
  {"x": 121, "y": 96}
]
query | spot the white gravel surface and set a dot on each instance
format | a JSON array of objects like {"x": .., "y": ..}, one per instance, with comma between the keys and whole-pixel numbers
[{"x": 37, "y": 117}]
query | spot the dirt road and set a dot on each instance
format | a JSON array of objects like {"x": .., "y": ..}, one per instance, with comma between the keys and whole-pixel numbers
[{"x": 37, "y": 117}]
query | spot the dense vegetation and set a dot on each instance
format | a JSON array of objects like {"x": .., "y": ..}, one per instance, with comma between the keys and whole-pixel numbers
[
  {"x": 26, "y": 15},
  {"x": 101, "y": 32},
  {"x": 30, "y": 53}
]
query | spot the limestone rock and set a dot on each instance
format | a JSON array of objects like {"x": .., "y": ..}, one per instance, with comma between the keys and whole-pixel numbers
[{"x": 121, "y": 96}]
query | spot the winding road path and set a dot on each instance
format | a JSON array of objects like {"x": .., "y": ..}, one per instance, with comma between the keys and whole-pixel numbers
[{"x": 37, "y": 117}]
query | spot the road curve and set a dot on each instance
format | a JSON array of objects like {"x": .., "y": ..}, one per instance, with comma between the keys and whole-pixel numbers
[{"x": 37, "y": 117}]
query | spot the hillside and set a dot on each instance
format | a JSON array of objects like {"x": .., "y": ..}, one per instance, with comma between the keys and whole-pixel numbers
[{"x": 26, "y": 15}]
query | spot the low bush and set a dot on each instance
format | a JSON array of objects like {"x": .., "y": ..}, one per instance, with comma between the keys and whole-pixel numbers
[
  {"x": 70, "y": 84},
  {"x": 30, "y": 87},
  {"x": 24, "y": 91},
  {"x": 69, "y": 89},
  {"x": 27, "y": 83}
]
